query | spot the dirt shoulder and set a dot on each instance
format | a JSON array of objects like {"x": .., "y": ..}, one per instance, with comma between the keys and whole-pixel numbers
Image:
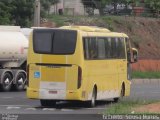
[{"x": 150, "y": 108}]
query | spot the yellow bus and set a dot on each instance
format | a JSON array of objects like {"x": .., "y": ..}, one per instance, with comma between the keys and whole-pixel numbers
[{"x": 78, "y": 63}]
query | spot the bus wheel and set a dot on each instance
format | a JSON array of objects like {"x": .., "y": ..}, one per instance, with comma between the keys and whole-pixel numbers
[
  {"x": 122, "y": 91},
  {"x": 48, "y": 103},
  {"x": 92, "y": 103},
  {"x": 116, "y": 100},
  {"x": 6, "y": 81},
  {"x": 121, "y": 94},
  {"x": 20, "y": 81}
]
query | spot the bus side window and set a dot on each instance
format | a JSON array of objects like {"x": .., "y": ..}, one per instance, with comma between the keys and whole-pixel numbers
[
  {"x": 121, "y": 49},
  {"x": 93, "y": 51},
  {"x": 113, "y": 48},
  {"x": 101, "y": 48},
  {"x": 86, "y": 47},
  {"x": 108, "y": 47}
]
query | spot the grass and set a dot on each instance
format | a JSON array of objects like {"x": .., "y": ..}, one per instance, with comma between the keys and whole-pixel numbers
[
  {"x": 59, "y": 20},
  {"x": 88, "y": 20},
  {"x": 144, "y": 75},
  {"x": 126, "y": 106}
]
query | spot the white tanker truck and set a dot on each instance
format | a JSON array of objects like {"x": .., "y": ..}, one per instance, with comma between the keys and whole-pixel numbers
[{"x": 13, "y": 55}]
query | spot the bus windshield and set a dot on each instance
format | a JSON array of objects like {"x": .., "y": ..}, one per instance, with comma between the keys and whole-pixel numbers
[{"x": 54, "y": 41}]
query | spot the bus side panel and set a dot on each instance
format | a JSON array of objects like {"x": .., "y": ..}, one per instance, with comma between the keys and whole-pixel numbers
[
  {"x": 122, "y": 72},
  {"x": 102, "y": 73},
  {"x": 127, "y": 91},
  {"x": 34, "y": 82},
  {"x": 72, "y": 84}
]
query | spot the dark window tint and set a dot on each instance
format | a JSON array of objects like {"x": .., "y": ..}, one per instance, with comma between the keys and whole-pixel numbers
[
  {"x": 42, "y": 42},
  {"x": 93, "y": 50},
  {"x": 113, "y": 47},
  {"x": 108, "y": 47},
  {"x": 101, "y": 48},
  {"x": 54, "y": 41},
  {"x": 64, "y": 42},
  {"x": 121, "y": 48},
  {"x": 86, "y": 47},
  {"x": 104, "y": 48}
]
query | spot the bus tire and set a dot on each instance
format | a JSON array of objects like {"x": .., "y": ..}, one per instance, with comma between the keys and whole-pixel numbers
[
  {"x": 92, "y": 102},
  {"x": 6, "y": 81},
  {"x": 121, "y": 94},
  {"x": 48, "y": 103}
]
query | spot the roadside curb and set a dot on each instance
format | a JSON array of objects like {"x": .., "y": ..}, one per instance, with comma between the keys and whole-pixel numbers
[{"x": 146, "y": 81}]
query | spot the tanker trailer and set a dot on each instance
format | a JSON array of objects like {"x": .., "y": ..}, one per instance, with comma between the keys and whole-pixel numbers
[{"x": 13, "y": 56}]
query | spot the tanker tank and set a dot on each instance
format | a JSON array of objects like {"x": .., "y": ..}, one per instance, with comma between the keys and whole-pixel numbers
[{"x": 13, "y": 56}]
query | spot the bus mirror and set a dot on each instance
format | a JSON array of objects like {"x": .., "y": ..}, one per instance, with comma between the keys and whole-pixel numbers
[{"x": 135, "y": 55}]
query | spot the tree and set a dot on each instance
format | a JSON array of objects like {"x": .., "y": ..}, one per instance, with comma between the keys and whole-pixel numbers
[
  {"x": 22, "y": 12},
  {"x": 5, "y": 15},
  {"x": 45, "y": 6},
  {"x": 16, "y": 12},
  {"x": 154, "y": 5}
]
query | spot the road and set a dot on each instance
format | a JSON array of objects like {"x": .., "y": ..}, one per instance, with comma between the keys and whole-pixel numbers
[
  {"x": 16, "y": 103},
  {"x": 145, "y": 91}
]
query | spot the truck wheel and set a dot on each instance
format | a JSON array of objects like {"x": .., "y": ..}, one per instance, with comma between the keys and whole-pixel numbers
[
  {"x": 6, "y": 81},
  {"x": 48, "y": 103},
  {"x": 20, "y": 81}
]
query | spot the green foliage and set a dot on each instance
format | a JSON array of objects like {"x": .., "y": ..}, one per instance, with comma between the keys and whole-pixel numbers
[
  {"x": 59, "y": 20},
  {"x": 126, "y": 106},
  {"x": 22, "y": 12},
  {"x": 16, "y": 12},
  {"x": 154, "y": 5},
  {"x": 123, "y": 107},
  {"x": 45, "y": 6},
  {"x": 148, "y": 75},
  {"x": 5, "y": 15}
]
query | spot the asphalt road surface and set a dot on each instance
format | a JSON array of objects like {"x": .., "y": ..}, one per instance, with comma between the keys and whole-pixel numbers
[{"x": 16, "y": 103}]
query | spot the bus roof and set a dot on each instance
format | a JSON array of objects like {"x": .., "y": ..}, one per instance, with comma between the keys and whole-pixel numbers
[
  {"x": 87, "y": 28},
  {"x": 93, "y": 29}
]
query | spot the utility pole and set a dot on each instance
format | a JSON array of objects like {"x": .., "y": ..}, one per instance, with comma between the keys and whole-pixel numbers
[
  {"x": 63, "y": 6},
  {"x": 37, "y": 13}
]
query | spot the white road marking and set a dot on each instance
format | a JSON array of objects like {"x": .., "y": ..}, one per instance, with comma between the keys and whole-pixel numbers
[
  {"x": 9, "y": 108},
  {"x": 30, "y": 109},
  {"x": 67, "y": 110},
  {"x": 49, "y": 109}
]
